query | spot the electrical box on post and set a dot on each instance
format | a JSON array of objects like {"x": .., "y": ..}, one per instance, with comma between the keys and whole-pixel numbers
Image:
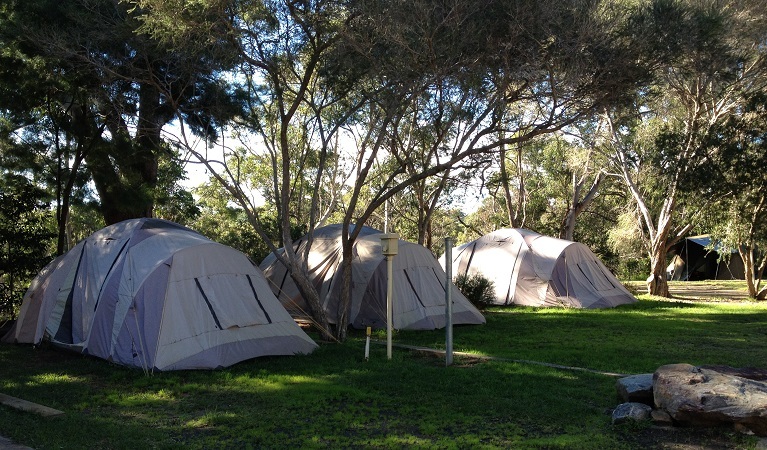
[{"x": 389, "y": 244}]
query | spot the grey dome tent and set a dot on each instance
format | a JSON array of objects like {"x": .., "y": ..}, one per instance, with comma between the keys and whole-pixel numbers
[
  {"x": 419, "y": 283},
  {"x": 152, "y": 294},
  {"x": 530, "y": 269},
  {"x": 695, "y": 260}
]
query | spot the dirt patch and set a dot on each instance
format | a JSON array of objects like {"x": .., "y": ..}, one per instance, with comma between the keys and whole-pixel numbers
[
  {"x": 677, "y": 438},
  {"x": 713, "y": 291}
]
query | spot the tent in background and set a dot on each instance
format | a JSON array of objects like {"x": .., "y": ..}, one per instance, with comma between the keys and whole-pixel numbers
[
  {"x": 693, "y": 261},
  {"x": 419, "y": 283},
  {"x": 152, "y": 294},
  {"x": 535, "y": 270}
]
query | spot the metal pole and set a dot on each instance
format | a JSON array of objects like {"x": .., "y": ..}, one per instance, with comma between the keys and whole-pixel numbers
[
  {"x": 448, "y": 301},
  {"x": 386, "y": 216},
  {"x": 389, "y": 289},
  {"x": 389, "y": 247}
]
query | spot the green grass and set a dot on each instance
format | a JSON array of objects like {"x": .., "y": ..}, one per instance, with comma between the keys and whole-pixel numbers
[
  {"x": 628, "y": 339},
  {"x": 335, "y": 399}
]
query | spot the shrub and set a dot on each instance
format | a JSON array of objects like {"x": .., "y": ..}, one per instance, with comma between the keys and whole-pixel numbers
[{"x": 479, "y": 290}]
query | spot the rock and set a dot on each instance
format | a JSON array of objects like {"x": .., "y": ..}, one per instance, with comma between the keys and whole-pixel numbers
[
  {"x": 752, "y": 373},
  {"x": 660, "y": 417},
  {"x": 636, "y": 388},
  {"x": 698, "y": 396},
  {"x": 631, "y": 411}
]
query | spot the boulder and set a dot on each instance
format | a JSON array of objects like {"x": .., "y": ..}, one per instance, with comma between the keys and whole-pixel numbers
[
  {"x": 631, "y": 411},
  {"x": 661, "y": 418},
  {"x": 699, "y": 396},
  {"x": 636, "y": 388},
  {"x": 752, "y": 373}
]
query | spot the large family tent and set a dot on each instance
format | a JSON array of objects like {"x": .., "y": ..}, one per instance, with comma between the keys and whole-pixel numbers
[
  {"x": 152, "y": 294},
  {"x": 694, "y": 259},
  {"x": 535, "y": 270},
  {"x": 418, "y": 283}
]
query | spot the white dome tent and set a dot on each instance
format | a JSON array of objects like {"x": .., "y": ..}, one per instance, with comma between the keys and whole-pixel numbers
[
  {"x": 419, "y": 283},
  {"x": 152, "y": 294},
  {"x": 530, "y": 269}
]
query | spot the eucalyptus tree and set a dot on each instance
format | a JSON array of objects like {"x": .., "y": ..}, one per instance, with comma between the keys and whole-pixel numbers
[
  {"x": 422, "y": 136},
  {"x": 325, "y": 66},
  {"x": 547, "y": 184},
  {"x": 280, "y": 49},
  {"x": 549, "y": 63},
  {"x": 587, "y": 167},
  {"x": 711, "y": 55},
  {"x": 529, "y": 189},
  {"x": 739, "y": 168}
]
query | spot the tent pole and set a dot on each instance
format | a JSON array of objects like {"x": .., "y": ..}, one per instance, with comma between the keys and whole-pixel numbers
[{"x": 448, "y": 301}]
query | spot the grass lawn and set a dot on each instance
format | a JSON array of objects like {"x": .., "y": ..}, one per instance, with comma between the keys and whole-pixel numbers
[{"x": 333, "y": 398}]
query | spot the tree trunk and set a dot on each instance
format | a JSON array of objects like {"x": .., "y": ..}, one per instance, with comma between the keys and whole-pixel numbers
[
  {"x": 506, "y": 188},
  {"x": 761, "y": 294},
  {"x": 124, "y": 169},
  {"x": 344, "y": 305},
  {"x": 747, "y": 255},
  {"x": 567, "y": 231},
  {"x": 752, "y": 273},
  {"x": 657, "y": 284},
  {"x": 309, "y": 293},
  {"x": 520, "y": 215}
]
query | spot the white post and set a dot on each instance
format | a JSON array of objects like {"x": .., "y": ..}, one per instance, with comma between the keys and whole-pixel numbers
[
  {"x": 389, "y": 249},
  {"x": 367, "y": 344},
  {"x": 389, "y": 289},
  {"x": 448, "y": 301},
  {"x": 386, "y": 216}
]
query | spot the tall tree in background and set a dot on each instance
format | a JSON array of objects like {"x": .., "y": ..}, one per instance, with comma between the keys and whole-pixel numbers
[
  {"x": 37, "y": 115},
  {"x": 549, "y": 63},
  {"x": 712, "y": 56},
  {"x": 586, "y": 165},
  {"x": 98, "y": 98},
  {"x": 740, "y": 172},
  {"x": 24, "y": 238}
]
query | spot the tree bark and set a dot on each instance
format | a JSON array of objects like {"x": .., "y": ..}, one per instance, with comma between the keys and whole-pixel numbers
[
  {"x": 344, "y": 305},
  {"x": 657, "y": 283},
  {"x": 578, "y": 206},
  {"x": 310, "y": 294}
]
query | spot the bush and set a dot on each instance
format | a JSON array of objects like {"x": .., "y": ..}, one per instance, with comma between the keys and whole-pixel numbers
[{"x": 479, "y": 290}]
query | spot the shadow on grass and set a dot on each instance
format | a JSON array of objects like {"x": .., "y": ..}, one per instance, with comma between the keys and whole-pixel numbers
[
  {"x": 332, "y": 398},
  {"x": 629, "y": 339},
  {"x": 335, "y": 399}
]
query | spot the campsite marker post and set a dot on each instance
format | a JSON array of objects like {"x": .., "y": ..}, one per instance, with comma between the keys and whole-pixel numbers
[
  {"x": 448, "y": 301},
  {"x": 389, "y": 242},
  {"x": 367, "y": 344}
]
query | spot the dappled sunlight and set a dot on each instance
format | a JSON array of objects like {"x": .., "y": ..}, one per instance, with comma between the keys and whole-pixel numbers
[
  {"x": 279, "y": 382},
  {"x": 472, "y": 352},
  {"x": 211, "y": 419},
  {"x": 143, "y": 398},
  {"x": 46, "y": 379},
  {"x": 336, "y": 399},
  {"x": 400, "y": 442}
]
